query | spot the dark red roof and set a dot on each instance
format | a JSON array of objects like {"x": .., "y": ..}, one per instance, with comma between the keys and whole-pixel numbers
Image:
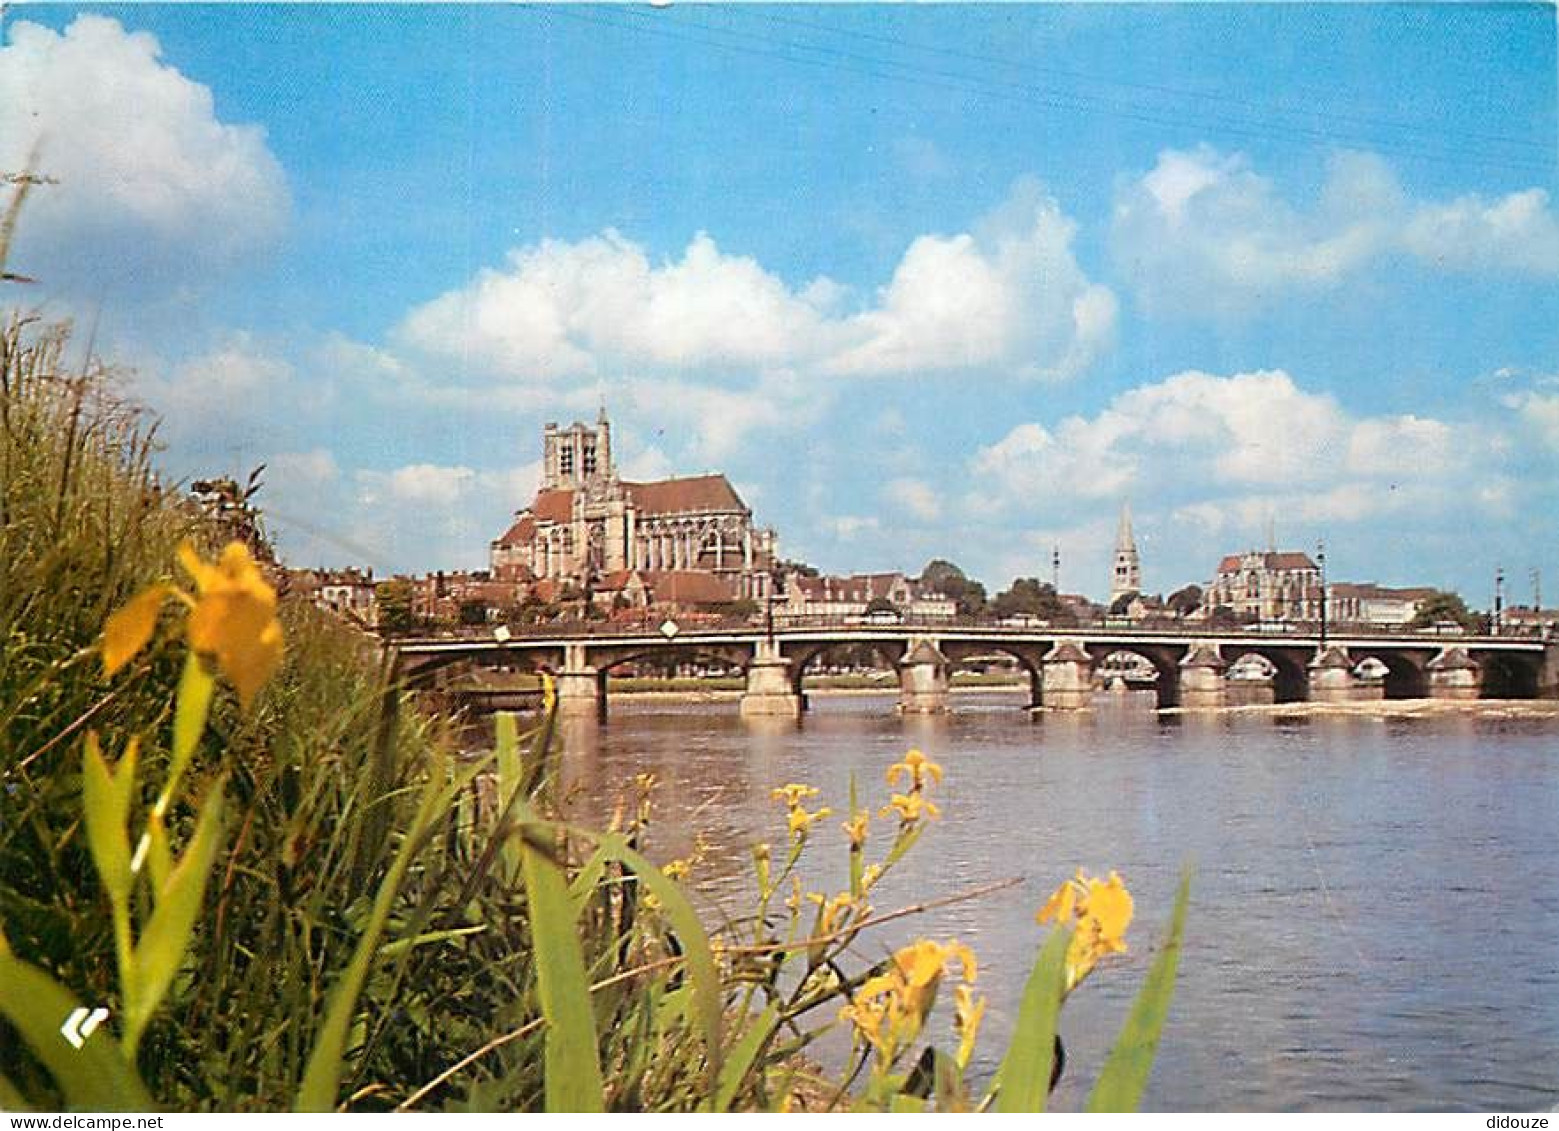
[
  {"x": 554, "y": 506},
  {"x": 523, "y": 530},
  {"x": 680, "y": 496},
  {"x": 1284, "y": 559},
  {"x": 687, "y": 587}
]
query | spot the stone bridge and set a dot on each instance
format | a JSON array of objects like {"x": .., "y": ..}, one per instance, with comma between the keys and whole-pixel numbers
[{"x": 1191, "y": 667}]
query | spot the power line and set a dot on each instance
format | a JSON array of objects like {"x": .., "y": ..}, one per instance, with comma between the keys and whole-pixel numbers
[
  {"x": 1539, "y": 147},
  {"x": 838, "y": 59}
]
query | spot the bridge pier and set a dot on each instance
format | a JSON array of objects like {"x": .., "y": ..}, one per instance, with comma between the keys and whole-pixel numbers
[
  {"x": 1453, "y": 674},
  {"x": 1202, "y": 682},
  {"x": 770, "y": 692},
  {"x": 581, "y": 688},
  {"x": 1067, "y": 675},
  {"x": 923, "y": 680},
  {"x": 1330, "y": 675}
]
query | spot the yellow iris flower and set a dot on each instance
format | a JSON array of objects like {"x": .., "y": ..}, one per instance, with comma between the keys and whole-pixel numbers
[
  {"x": 1102, "y": 909},
  {"x": 911, "y": 807},
  {"x": 232, "y": 619},
  {"x": 917, "y": 767}
]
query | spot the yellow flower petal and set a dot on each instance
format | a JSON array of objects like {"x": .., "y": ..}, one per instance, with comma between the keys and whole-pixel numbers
[
  {"x": 234, "y": 619},
  {"x": 127, "y": 631}
]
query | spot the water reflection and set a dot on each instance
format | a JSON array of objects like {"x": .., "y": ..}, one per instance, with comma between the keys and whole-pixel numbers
[{"x": 1375, "y": 901}]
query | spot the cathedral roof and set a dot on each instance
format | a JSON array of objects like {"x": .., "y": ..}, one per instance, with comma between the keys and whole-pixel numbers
[
  {"x": 523, "y": 530},
  {"x": 687, "y": 586},
  {"x": 1272, "y": 559},
  {"x": 679, "y": 496},
  {"x": 554, "y": 506}
]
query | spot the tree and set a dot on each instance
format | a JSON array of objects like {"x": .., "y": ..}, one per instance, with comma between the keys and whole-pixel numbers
[
  {"x": 1184, "y": 602},
  {"x": 881, "y": 605},
  {"x": 473, "y": 612},
  {"x": 942, "y": 576},
  {"x": 396, "y": 612},
  {"x": 1028, "y": 596},
  {"x": 1122, "y": 604},
  {"x": 1442, "y": 606}
]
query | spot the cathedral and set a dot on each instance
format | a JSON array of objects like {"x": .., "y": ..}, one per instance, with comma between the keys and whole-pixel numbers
[{"x": 591, "y": 528}]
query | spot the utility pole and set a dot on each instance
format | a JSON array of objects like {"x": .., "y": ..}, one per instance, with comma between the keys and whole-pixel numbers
[
  {"x": 1055, "y": 569},
  {"x": 1537, "y": 590}
]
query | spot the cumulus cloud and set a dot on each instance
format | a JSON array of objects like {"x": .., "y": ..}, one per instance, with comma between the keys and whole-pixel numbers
[
  {"x": 916, "y": 497},
  {"x": 1205, "y": 233},
  {"x": 152, "y": 185},
  {"x": 409, "y": 516},
  {"x": 1235, "y": 448},
  {"x": 1008, "y": 297},
  {"x": 240, "y": 395}
]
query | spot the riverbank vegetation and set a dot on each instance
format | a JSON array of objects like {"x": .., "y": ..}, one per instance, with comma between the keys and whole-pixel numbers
[{"x": 221, "y": 824}]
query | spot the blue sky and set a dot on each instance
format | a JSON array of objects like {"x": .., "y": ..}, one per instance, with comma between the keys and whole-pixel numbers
[{"x": 943, "y": 281}]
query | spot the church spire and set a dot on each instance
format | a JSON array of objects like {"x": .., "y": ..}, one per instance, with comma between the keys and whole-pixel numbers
[
  {"x": 1123, "y": 539},
  {"x": 1126, "y": 577}
]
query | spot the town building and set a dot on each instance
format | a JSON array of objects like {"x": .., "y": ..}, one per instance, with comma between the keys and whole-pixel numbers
[
  {"x": 1126, "y": 575},
  {"x": 1370, "y": 604},
  {"x": 1270, "y": 585},
  {"x": 349, "y": 593},
  {"x": 848, "y": 597},
  {"x": 587, "y": 525}
]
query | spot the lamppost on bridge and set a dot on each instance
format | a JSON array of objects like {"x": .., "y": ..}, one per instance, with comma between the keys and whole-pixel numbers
[
  {"x": 1320, "y": 560},
  {"x": 776, "y": 588},
  {"x": 1499, "y": 598}
]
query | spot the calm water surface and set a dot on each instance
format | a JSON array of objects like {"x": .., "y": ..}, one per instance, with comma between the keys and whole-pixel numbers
[{"x": 1375, "y": 912}]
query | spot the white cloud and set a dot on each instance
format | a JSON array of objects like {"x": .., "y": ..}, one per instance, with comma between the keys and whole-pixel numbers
[
  {"x": 1518, "y": 232},
  {"x": 1204, "y": 233},
  {"x": 236, "y": 395},
  {"x": 915, "y": 496},
  {"x": 1233, "y": 451},
  {"x": 152, "y": 185},
  {"x": 846, "y": 527},
  {"x": 1008, "y": 298},
  {"x": 1540, "y": 411},
  {"x": 446, "y": 514}
]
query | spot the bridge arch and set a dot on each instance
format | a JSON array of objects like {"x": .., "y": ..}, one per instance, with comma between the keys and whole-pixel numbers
[
  {"x": 1165, "y": 658},
  {"x": 1510, "y": 676},
  {"x": 1290, "y": 678},
  {"x": 1030, "y": 659},
  {"x": 1405, "y": 675},
  {"x": 804, "y": 656}
]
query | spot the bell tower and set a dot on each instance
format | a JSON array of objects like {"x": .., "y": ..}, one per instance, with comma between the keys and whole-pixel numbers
[{"x": 1127, "y": 574}]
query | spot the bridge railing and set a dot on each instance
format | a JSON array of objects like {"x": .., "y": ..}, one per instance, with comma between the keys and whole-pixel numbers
[{"x": 694, "y": 626}]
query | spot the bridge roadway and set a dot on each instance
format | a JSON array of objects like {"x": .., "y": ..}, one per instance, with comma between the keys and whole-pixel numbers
[{"x": 1190, "y": 666}]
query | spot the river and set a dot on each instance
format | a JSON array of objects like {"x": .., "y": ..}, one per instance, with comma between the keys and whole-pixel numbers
[{"x": 1375, "y": 911}]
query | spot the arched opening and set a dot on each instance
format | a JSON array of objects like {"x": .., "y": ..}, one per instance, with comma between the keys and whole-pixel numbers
[
  {"x": 1250, "y": 680},
  {"x": 685, "y": 668},
  {"x": 865, "y": 664},
  {"x": 1290, "y": 680},
  {"x": 1405, "y": 678},
  {"x": 1131, "y": 666},
  {"x": 964, "y": 655},
  {"x": 1507, "y": 676}
]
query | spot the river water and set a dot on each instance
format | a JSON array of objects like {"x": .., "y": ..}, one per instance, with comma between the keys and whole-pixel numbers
[{"x": 1375, "y": 908}]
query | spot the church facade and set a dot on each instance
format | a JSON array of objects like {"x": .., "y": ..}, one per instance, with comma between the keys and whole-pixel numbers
[{"x": 590, "y": 527}]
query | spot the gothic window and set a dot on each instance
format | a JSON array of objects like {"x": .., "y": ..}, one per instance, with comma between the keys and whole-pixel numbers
[
  {"x": 566, "y": 461},
  {"x": 589, "y": 459}
]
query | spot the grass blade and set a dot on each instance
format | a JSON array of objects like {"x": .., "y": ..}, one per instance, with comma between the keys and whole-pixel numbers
[
  {"x": 1125, "y": 1073},
  {"x": 733, "y": 1073},
  {"x": 703, "y": 974},
  {"x": 1023, "y": 1084},
  {"x": 95, "y": 1077},
  {"x": 573, "y": 1067},
  {"x": 322, "y": 1079},
  {"x": 161, "y": 950}
]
